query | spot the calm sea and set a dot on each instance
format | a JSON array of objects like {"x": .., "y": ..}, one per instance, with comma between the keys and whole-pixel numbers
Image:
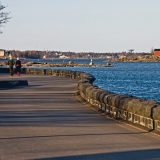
[{"x": 140, "y": 79}]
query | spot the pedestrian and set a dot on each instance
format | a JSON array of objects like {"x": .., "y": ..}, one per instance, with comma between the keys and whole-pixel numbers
[
  {"x": 11, "y": 64},
  {"x": 18, "y": 66}
]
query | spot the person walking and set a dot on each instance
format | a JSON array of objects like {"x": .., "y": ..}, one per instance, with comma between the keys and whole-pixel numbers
[
  {"x": 11, "y": 64},
  {"x": 18, "y": 66}
]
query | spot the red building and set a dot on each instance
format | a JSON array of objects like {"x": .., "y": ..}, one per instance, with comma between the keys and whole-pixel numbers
[{"x": 157, "y": 52}]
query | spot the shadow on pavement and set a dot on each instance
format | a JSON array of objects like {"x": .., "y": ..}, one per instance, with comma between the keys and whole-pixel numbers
[{"x": 153, "y": 154}]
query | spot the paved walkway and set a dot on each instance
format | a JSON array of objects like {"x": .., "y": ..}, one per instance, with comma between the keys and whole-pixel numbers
[{"x": 45, "y": 120}]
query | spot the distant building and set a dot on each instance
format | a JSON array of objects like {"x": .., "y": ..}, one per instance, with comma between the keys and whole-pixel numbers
[
  {"x": 2, "y": 52},
  {"x": 130, "y": 50},
  {"x": 157, "y": 52}
]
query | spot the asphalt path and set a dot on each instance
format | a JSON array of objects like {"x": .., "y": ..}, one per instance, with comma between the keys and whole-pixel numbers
[{"x": 47, "y": 120}]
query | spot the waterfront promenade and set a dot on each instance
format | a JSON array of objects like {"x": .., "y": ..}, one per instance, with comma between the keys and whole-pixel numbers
[{"x": 46, "y": 120}]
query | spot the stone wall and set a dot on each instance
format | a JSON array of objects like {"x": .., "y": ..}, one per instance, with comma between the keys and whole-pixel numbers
[
  {"x": 144, "y": 113},
  {"x": 13, "y": 83}
]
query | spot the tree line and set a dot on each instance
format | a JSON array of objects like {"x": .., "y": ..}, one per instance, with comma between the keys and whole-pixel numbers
[{"x": 34, "y": 54}]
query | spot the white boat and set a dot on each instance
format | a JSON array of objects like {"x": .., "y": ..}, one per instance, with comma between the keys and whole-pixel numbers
[{"x": 63, "y": 56}]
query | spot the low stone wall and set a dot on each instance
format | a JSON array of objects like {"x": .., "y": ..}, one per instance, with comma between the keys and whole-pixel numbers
[
  {"x": 138, "y": 111},
  {"x": 13, "y": 83},
  {"x": 4, "y": 70}
]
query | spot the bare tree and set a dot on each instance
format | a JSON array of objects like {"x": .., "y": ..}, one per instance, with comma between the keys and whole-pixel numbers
[{"x": 3, "y": 15}]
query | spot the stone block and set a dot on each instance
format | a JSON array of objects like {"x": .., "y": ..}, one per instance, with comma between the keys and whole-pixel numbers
[
  {"x": 116, "y": 99},
  {"x": 156, "y": 112},
  {"x": 102, "y": 95},
  {"x": 67, "y": 73},
  {"x": 107, "y": 98},
  {"x": 55, "y": 72},
  {"x": 141, "y": 107},
  {"x": 89, "y": 90},
  {"x": 94, "y": 93},
  {"x": 73, "y": 75},
  {"x": 47, "y": 71}
]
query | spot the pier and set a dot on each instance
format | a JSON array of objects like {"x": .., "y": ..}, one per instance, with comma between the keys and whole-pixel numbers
[{"x": 47, "y": 119}]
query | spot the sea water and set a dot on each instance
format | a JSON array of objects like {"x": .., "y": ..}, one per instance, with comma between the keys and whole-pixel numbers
[{"x": 137, "y": 79}]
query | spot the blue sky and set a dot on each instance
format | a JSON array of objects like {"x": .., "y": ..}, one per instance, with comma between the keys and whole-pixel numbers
[{"x": 82, "y": 25}]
